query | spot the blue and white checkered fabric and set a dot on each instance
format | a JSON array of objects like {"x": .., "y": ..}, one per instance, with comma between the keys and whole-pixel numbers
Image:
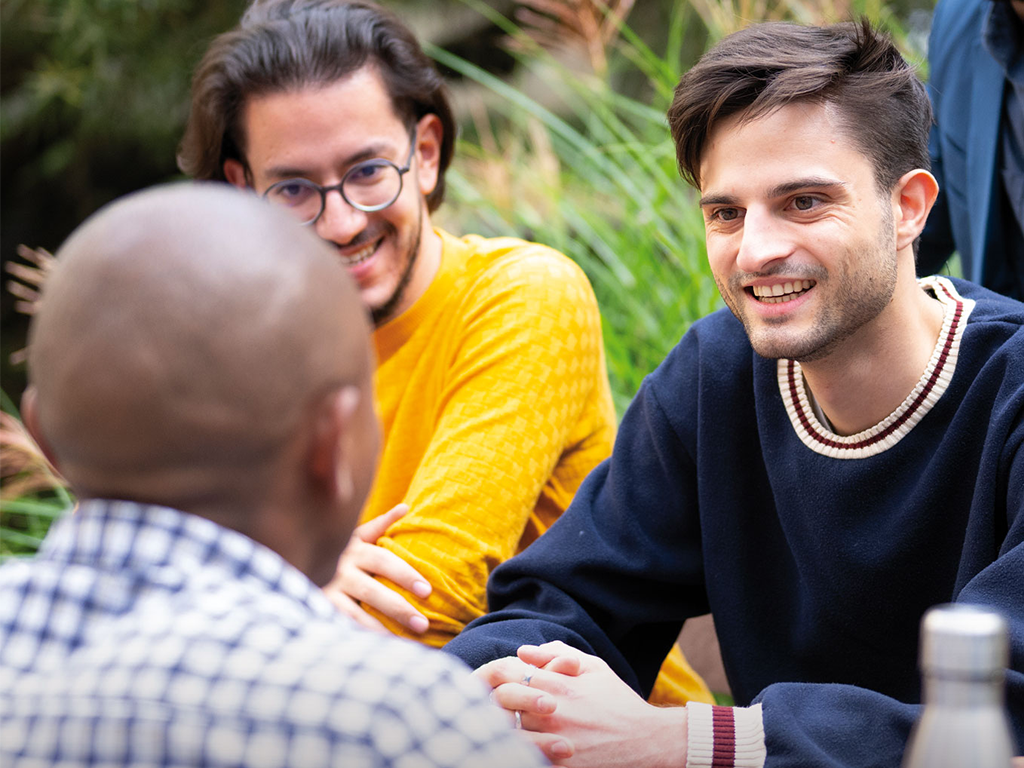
[{"x": 145, "y": 636}]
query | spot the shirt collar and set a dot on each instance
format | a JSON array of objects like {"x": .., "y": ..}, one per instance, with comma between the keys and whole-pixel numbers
[{"x": 169, "y": 547}]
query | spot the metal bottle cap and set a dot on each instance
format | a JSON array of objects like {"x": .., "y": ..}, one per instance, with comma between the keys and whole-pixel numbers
[{"x": 963, "y": 639}]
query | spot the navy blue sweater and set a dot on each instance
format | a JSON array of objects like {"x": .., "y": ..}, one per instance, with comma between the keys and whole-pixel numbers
[{"x": 817, "y": 568}]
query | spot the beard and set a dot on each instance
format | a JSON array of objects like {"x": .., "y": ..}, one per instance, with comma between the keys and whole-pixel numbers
[
  {"x": 383, "y": 313},
  {"x": 851, "y": 299},
  {"x": 386, "y": 310}
]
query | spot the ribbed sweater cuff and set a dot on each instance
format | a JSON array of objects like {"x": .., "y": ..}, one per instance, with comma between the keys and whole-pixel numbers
[{"x": 724, "y": 737}]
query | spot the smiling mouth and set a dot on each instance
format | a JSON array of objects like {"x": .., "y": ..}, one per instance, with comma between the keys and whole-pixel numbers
[
  {"x": 780, "y": 292},
  {"x": 362, "y": 254}
]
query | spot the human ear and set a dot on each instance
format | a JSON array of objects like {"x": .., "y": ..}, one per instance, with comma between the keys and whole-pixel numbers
[
  {"x": 30, "y": 418},
  {"x": 913, "y": 197},
  {"x": 429, "y": 135},
  {"x": 235, "y": 173},
  {"x": 331, "y": 448}
]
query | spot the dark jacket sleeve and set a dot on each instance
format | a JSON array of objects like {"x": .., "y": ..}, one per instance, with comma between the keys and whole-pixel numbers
[{"x": 620, "y": 571}]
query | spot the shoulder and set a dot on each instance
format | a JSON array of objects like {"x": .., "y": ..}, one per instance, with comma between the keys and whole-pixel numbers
[
  {"x": 954, "y": 23},
  {"x": 711, "y": 366},
  {"x": 509, "y": 263},
  {"x": 990, "y": 354},
  {"x": 999, "y": 318},
  {"x": 715, "y": 345}
]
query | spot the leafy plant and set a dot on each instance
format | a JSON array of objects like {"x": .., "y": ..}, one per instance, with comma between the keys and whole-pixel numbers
[
  {"x": 32, "y": 493},
  {"x": 594, "y": 176}
]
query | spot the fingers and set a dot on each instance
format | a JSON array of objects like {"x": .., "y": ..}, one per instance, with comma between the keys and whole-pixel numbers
[
  {"x": 29, "y": 275},
  {"x": 352, "y": 609},
  {"x": 555, "y": 748},
  {"x": 377, "y": 561},
  {"x": 372, "y": 530},
  {"x": 516, "y": 697},
  {"x": 39, "y": 256},
  {"x": 356, "y": 570},
  {"x": 553, "y": 657},
  {"x": 500, "y": 671},
  {"x": 22, "y": 291}
]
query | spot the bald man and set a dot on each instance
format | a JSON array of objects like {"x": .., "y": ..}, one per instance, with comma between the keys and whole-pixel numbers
[{"x": 200, "y": 373}]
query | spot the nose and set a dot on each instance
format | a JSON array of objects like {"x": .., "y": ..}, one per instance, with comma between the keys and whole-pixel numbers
[
  {"x": 339, "y": 222},
  {"x": 764, "y": 239}
]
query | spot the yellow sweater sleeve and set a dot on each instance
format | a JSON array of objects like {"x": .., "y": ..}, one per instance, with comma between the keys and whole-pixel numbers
[{"x": 528, "y": 358}]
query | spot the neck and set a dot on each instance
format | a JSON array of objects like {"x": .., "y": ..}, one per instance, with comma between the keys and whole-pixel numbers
[
  {"x": 870, "y": 374},
  {"x": 282, "y": 515}
]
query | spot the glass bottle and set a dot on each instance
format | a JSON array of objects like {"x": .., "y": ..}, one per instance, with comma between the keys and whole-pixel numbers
[{"x": 964, "y": 653}]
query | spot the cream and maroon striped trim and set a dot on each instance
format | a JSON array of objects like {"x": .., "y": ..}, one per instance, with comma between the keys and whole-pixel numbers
[
  {"x": 896, "y": 425},
  {"x": 724, "y": 737}
]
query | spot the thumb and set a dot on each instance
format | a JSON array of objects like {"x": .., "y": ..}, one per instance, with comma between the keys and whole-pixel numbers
[{"x": 372, "y": 530}]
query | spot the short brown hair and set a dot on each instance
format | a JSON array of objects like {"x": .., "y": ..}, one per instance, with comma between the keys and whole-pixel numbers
[
  {"x": 880, "y": 100},
  {"x": 289, "y": 44}
]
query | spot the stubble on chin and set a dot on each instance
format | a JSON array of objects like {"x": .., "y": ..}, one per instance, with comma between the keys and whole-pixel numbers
[{"x": 386, "y": 311}]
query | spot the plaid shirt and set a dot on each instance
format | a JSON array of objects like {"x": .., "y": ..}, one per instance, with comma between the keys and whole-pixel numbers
[{"x": 145, "y": 636}]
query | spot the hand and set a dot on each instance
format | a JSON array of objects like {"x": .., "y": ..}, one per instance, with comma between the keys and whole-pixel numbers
[
  {"x": 29, "y": 281},
  {"x": 27, "y": 286},
  {"x": 354, "y": 583},
  {"x": 580, "y": 714}
]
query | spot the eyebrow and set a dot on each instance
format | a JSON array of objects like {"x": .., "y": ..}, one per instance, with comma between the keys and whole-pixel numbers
[
  {"x": 367, "y": 153},
  {"x": 780, "y": 190}
]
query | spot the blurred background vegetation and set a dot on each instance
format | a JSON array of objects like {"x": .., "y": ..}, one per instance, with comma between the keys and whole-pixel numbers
[{"x": 563, "y": 140}]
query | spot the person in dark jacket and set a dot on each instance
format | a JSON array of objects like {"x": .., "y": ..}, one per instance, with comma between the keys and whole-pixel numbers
[
  {"x": 816, "y": 465},
  {"x": 976, "y": 60}
]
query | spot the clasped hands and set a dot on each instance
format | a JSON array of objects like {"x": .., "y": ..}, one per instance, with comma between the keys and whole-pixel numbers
[
  {"x": 570, "y": 704},
  {"x": 580, "y": 713},
  {"x": 355, "y": 586}
]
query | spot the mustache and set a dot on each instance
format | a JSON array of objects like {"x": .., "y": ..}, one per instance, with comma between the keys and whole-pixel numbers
[{"x": 369, "y": 235}]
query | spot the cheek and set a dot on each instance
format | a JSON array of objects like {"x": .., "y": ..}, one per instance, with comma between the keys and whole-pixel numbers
[{"x": 720, "y": 256}]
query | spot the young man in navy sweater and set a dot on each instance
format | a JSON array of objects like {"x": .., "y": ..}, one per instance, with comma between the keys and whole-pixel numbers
[{"x": 842, "y": 450}]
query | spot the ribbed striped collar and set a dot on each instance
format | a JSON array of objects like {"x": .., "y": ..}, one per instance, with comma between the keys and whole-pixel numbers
[{"x": 896, "y": 425}]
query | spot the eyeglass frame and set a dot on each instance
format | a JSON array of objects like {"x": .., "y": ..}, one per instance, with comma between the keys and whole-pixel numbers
[{"x": 339, "y": 187}]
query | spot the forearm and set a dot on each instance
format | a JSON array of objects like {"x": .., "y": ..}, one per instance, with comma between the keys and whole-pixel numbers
[{"x": 526, "y": 389}]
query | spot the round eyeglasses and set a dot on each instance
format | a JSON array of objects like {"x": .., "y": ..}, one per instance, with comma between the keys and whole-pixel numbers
[{"x": 369, "y": 186}]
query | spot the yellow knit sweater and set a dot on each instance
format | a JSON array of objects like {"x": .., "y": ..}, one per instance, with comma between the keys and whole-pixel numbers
[{"x": 495, "y": 403}]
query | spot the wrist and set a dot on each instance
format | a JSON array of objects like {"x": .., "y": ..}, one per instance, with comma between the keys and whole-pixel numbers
[{"x": 669, "y": 737}]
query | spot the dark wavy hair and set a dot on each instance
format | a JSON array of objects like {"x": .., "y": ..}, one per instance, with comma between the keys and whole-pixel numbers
[
  {"x": 882, "y": 104},
  {"x": 282, "y": 45}
]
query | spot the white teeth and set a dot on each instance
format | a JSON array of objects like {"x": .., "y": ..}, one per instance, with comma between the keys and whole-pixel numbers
[
  {"x": 781, "y": 292},
  {"x": 361, "y": 255}
]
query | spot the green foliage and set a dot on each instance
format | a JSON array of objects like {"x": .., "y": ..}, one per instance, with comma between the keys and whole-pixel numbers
[
  {"x": 94, "y": 95},
  {"x": 594, "y": 177},
  {"x": 32, "y": 497}
]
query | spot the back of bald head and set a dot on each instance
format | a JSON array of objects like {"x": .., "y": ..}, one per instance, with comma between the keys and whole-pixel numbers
[{"x": 188, "y": 331}]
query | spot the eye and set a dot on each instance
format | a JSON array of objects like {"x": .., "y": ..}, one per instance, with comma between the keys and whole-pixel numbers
[
  {"x": 725, "y": 214},
  {"x": 367, "y": 173},
  {"x": 291, "y": 192},
  {"x": 804, "y": 202}
]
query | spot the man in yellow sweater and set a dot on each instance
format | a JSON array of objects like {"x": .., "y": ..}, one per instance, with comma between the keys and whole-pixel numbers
[{"x": 491, "y": 384}]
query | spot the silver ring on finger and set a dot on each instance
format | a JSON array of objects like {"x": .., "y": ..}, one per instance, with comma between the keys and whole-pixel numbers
[
  {"x": 519, "y": 720},
  {"x": 529, "y": 675}
]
